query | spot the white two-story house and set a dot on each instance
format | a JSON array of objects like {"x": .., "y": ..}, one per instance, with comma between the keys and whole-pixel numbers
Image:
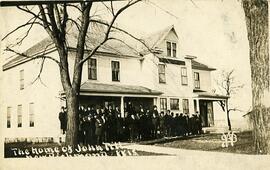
[{"x": 115, "y": 76}]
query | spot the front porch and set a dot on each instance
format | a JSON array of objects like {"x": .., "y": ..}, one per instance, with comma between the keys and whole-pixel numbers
[
  {"x": 116, "y": 95},
  {"x": 203, "y": 105}
]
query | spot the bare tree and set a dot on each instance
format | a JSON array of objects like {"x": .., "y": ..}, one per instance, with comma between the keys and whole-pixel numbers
[
  {"x": 256, "y": 15},
  {"x": 54, "y": 17},
  {"x": 228, "y": 86}
]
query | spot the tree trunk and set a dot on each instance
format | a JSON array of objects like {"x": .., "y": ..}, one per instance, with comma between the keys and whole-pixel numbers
[
  {"x": 228, "y": 115},
  {"x": 73, "y": 117},
  {"x": 256, "y": 13}
]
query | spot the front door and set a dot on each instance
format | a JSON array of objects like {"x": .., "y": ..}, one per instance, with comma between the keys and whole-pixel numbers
[
  {"x": 206, "y": 113},
  {"x": 203, "y": 113}
]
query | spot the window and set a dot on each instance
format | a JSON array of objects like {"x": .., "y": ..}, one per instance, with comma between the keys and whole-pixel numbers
[
  {"x": 115, "y": 71},
  {"x": 196, "y": 80},
  {"x": 9, "y": 117},
  {"x": 92, "y": 69},
  {"x": 185, "y": 106},
  {"x": 19, "y": 114},
  {"x": 31, "y": 114},
  {"x": 21, "y": 79},
  {"x": 161, "y": 73},
  {"x": 174, "y": 49},
  {"x": 174, "y": 103},
  {"x": 171, "y": 49},
  {"x": 163, "y": 104},
  {"x": 184, "y": 78}
]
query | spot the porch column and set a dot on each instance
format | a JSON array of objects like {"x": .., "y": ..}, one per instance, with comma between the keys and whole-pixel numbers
[
  {"x": 198, "y": 106},
  {"x": 157, "y": 103},
  {"x": 122, "y": 106}
]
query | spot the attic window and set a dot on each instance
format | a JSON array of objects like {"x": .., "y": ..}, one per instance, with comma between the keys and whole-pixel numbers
[{"x": 171, "y": 49}]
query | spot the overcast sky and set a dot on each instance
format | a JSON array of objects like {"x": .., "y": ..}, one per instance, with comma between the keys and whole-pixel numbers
[{"x": 212, "y": 30}]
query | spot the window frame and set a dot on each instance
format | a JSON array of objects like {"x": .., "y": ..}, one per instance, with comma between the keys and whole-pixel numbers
[
  {"x": 172, "y": 103},
  {"x": 160, "y": 72},
  {"x": 197, "y": 84},
  {"x": 19, "y": 116},
  {"x": 31, "y": 114},
  {"x": 115, "y": 70},
  {"x": 169, "y": 48},
  {"x": 163, "y": 104},
  {"x": 92, "y": 69},
  {"x": 185, "y": 105},
  {"x": 21, "y": 79},
  {"x": 9, "y": 111},
  {"x": 174, "y": 49},
  {"x": 184, "y": 76}
]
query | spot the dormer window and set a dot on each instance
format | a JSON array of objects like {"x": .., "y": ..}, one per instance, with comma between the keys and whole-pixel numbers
[{"x": 171, "y": 49}]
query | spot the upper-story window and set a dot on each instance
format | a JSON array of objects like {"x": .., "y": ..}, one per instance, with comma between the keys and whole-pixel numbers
[
  {"x": 115, "y": 71},
  {"x": 92, "y": 69},
  {"x": 171, "y": 49},
  {"x": 31, "y": 115},
  {"x": 196, "y": 80},
  {"x": 184, "y": 77},
  {"x": 9, "y": 117},
  {"x": 21, "y": 79},
  {"x": 161, "y": 73},
  {"x": 19, "y": 115}
]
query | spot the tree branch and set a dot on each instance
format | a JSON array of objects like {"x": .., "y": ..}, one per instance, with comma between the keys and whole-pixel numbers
[{"x": 30, "y": 22}]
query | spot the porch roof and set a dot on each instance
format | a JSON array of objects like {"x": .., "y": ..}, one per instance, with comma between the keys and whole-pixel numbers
[
  {"x": 117, "y": 89},
  {"x": 210, "y": 95}
]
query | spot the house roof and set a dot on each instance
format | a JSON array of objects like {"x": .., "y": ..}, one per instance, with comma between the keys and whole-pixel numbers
[
  {"x": 44, "y": 46},
  {"x": 154, "y": 39},
  {"x": 117, "y": 89},
  {"x": 205, "y": 94},
  {"x": 201, "y": 66},
  {"x": 95, "y": 35}
]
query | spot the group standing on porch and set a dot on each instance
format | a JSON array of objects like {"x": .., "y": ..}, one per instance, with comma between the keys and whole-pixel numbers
[{"x": 105, "y": 124}]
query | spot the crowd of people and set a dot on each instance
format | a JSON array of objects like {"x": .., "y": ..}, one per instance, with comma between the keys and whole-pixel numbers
[{"x": 98, "y": 125}]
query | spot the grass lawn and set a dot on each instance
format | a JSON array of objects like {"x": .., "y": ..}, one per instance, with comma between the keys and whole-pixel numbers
[{"x": 212, "y": 142}]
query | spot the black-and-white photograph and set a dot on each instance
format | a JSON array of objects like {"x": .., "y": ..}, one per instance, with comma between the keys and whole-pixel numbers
[{"x": 182, "y": 83}]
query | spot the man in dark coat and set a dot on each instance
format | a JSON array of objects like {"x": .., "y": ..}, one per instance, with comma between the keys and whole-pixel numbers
[
  {"x": 171, "y": 124},
  {"x": 89, "y": 127},
  {"x": 99, "y": 124},
  {"x": 132, "y": 127},
  {"x": 181, "y": 125},
  {"x": 177, "y": 122},
  {"x": 162, "y": 124},
  {"x": 111, "y": 125},
  {"x": 167, "y": 123},
  {"x": 119, "y": 128},
  {"x": 142, "y": 124},
  {"x": 63, "y": 120},
  {"x": 155, "y": 122}
]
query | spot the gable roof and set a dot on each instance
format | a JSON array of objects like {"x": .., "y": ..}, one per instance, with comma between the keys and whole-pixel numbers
[{"x": 154, "y": 39}]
